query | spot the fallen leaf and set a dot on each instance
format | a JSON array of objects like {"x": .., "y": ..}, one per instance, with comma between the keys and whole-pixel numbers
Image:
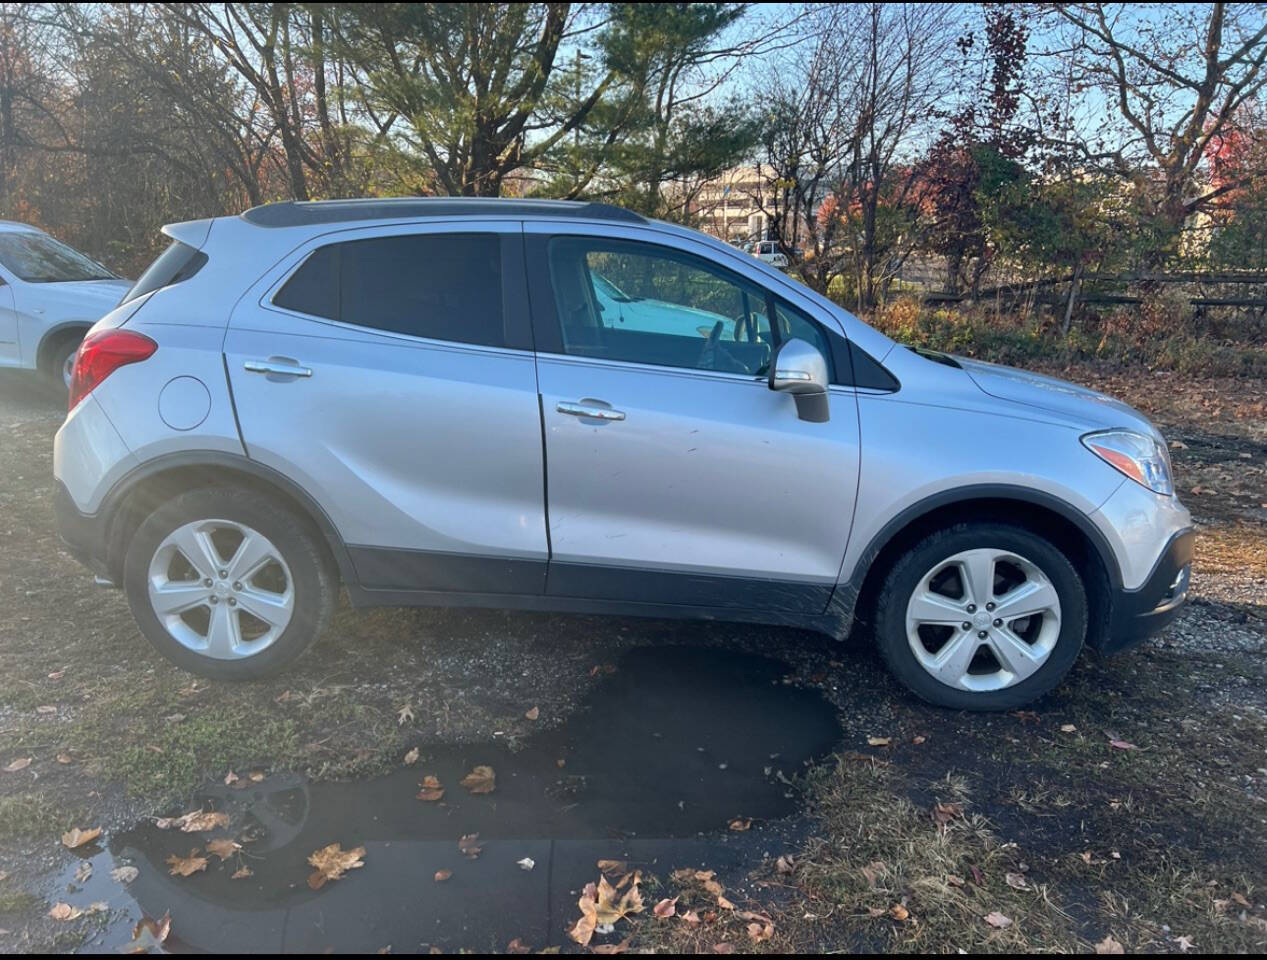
[
  {"x": 64, "y": 911},
  {"x": 724, "y": 903},
  {"x": 1068, "y": 728},
  {"x": 469, "y": 845},
  {"x": 186, "y": 866},
  {"x": 533, "y": 713},
  {"x": 241, "y": 873},
  {"x": 1016, "y": 881},
  {"x": 442, "y": 875},
  {"x": 1121, "y": 745},
  {"x": 899, "y": 913},
  {"x": 996, "y": 919},
  {"x": 77, "y": 838},
  {"x": 17, "y": 765},
  {"x": 740, "y": 824},
  {"x": 46, "y": 708},
  {"x": 480, "y": 780},
  {"x": 760, "y": 932},
  {"x": 124, "y": 874},
  {"x": 64, "y": 758},
  {"x": 332, "y": 862},
  {"x": 195, "y": 821},
  {"x": 223, "y": 847},
  {"x": 689, "y": 917},
  {"x": 83, "y": 872},
  {"x": 431, "y": 790},
  {"x": 257, "y": 776},
  {"x": 613, "y": 868},
  {"x": 665, "y": 908},
  {"x": 723, "y": 947},
  {"x": 149, "y": 934},
  {"x": 785, "y": 865},
  {"x": 612, "y": 948},
  {"x": 411, "y": 757},
  {"x": 878, "y": 741},
  {"x": 943, "y": 813},
  {"x": 231, "y": 778},
  {"x": 517, "y": 946},
  {"x": 1184, "y": 943},
  {"x": 527, "y": 863},
  {"x": 1109, "y": 945},
  {"x": 918, "y": 740},
  {"x": 405, "y": 715}
]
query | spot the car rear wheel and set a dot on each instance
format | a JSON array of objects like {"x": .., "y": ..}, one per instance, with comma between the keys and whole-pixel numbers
[
  {"x": 982, "y": 616},
  {"x": 227, "y": 584}
]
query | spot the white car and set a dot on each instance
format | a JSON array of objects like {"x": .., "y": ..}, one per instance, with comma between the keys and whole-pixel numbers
[
  {"x": 50, "y": 294},
  {"x": 767, "y": 251}
]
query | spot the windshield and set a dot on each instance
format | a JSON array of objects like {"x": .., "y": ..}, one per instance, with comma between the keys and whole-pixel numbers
[
  {"x": 608, "y": 289},
  {"x": 38, "y": 258}
]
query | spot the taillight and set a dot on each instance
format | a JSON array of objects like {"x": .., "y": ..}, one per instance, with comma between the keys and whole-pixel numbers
[{"x": 102, "y": 353}]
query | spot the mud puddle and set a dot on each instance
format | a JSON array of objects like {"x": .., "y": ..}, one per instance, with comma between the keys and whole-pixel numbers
[{"x": 668, "y": 749}]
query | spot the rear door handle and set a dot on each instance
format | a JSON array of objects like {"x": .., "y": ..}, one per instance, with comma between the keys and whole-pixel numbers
[
  {"x": 590, "y": 408},
  {"x": 277, "y": 366}
]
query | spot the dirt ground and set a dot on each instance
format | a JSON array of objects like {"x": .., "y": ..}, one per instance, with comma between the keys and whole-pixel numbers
[{"x": 1125, "y": 810}]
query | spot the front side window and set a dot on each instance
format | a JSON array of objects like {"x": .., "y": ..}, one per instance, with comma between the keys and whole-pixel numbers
[
  {"x": 440, "y": 286},
  {"x": 38, "y": 258},
  {"x": 644, "y": 304}
]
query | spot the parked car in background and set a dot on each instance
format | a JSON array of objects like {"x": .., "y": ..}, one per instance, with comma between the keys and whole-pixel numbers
[
  {"x": 432, "y": 402},
  {"x": 50, "y": 294},
  {"x": 767, "y": 251}
]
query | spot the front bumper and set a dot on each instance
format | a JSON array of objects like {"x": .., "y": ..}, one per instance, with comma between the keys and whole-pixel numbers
[{"x": 1137, "y": 614}]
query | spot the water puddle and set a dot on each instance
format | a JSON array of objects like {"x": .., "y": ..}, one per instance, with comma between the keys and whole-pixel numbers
[{"x": 668, "y": 749}]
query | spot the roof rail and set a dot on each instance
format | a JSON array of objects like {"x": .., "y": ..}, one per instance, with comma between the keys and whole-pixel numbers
[{"x": 293, "y": 213}]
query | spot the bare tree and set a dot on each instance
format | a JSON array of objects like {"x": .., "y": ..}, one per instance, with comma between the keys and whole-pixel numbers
[{"x": 1175, "y": 76}]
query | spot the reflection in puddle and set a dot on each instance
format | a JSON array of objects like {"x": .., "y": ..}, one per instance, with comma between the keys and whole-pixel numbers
[{"x": 667, "y": 750}]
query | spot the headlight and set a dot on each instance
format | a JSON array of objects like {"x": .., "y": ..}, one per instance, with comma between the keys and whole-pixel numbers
[{"x": 1140, "y": 457}]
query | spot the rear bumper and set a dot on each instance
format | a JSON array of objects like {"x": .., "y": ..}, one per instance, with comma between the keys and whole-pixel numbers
[
  {"x": 83, "y": 534},
  {"x": 1138, "y": 614}
]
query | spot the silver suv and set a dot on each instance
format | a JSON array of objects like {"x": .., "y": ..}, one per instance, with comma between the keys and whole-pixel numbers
[{"x": 565, "y": 406}]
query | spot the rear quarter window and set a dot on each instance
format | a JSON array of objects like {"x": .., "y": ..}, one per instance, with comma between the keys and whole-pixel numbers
[{"x": 177, "y": 263}]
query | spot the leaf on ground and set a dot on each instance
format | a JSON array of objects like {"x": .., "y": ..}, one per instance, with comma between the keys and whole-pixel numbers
[
  {"x": 149, "y": 935},
  {"x": 77, "y": 837},
  {"x": 411, "y": 757},
  {"x": 740, "y": 824},
  {"x": 124, "y": 874},
  {"x": 527, "y": 863},
  {"x": 65, "y": 758},
  {"x": 431, "y": 790},
  {"x": 943, "y": 813},
  {"x": 64, "y": 911},
  {"x": 186, "y": 866},
  {"x": 480, "y": 780},
  {"x": 998, "y": 920},
  {"x": 533, "y": 713},
  {"x": 199, "y": 821},
  {"x": 612, "y": 948},
  {"x": 613, "y": 868},
  {"x": 1109, "y": 945},
  {"x": 46, "y": 708},
  {"x": 723, "y": 947},
  {"x": 1121, "y": 744},
  {"x": 405, "y": 715},
  {"x": 518, "y": 947},
  {"x": 1016, "y": 881},
  {"x": 785, "y": 865},
  {"x": 665, "y": 908},
  {"x": 241, "y": 873},
  {"x": 83, "y": 872},
  {"x": 442, "y": 875},
  {"x": 331, "y": 862},
  {"x": 899, "y": 912},
  {"x": 223, "y": 847},
  {"x": 879, "y": 741},
  {"x": 1185, "y": 944},
  {"x": 469, "y": 845},
  {"x": 724, "y": 903},
  {"x": 20, "y": 764},
  {"x": 601, "y": 905},
  {"x": 760, "y": 932},
  {"x": 690, "y": 917},
  {"x": 1068, "y": 728}
]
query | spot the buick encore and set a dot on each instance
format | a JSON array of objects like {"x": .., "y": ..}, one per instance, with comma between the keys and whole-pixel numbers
[{"x": 565, "y": 406}]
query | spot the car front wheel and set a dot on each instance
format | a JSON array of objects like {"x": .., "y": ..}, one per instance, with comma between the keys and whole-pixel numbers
[
  {"x": 982, "y": 616},
  {"x": 228, "y": 584}
]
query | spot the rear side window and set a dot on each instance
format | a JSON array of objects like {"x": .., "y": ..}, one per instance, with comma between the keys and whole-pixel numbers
[
  {"x": 440, "y": 286},
  {"x": 178, "y": 262}
]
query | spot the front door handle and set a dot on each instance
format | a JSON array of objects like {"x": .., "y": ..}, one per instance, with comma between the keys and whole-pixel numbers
[
  {"x": 590, "y": 408},
  {"x": 277, "y": 366}
]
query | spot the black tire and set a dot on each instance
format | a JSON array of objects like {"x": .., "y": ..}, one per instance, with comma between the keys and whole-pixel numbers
[
  {"x": 902, "y": 580},
  {"x": 313, "y": 581},
  {"x": 60, "y": 356}
]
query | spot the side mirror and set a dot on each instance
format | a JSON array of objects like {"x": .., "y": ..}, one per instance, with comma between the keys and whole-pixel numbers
[{"x": 799, "y": 369}]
